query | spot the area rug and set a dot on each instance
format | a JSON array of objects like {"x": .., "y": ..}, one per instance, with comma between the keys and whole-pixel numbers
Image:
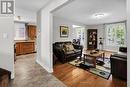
[
  {"x": 102, "y": 68},
  {"x": 100, "y": 73}
]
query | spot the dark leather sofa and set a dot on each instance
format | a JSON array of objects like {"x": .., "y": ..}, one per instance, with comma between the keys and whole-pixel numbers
[
  {"x": 63, "y": 56},
  {"x": 119, "y": 63}
]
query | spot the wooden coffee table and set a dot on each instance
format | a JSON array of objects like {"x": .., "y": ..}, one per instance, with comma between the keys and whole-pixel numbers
[{"x": 94, "y": 56}]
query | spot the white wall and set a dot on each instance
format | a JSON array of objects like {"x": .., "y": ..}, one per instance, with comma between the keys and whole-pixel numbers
[
  {"x": 7, "y": 37},
  {"x": 57, "y": 22},
  {"x": 102, "y": 33},
  {"x": 45, "y": 34},
  {"x": 6, "y": 44},
  {"x": 128, "y": 43},
  {"x": 26, "y": 16}
]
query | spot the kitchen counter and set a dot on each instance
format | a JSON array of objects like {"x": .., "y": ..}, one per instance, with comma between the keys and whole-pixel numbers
[
  {"x": 19, "y": 41},
  {"x": 25, "y": 47}
]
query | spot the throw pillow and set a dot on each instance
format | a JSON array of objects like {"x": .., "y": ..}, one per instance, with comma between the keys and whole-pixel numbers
[
  {"x": 71, "y": 48},
  {"x": 68, "y": 47}
]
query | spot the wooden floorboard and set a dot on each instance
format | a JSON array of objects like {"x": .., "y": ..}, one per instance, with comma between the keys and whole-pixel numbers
[{"x": 75, "y": 77}]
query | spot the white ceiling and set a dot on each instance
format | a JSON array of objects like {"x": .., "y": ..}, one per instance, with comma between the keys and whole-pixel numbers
[
  {"x": 31, "y": 5},
  {"x": 83, "y": 10}
]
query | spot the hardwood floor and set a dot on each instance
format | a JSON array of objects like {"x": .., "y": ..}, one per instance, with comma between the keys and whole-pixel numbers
[{"x": 76, "y": 77}]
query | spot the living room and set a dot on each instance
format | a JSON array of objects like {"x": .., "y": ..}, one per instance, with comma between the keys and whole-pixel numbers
[
  {"x": 110, "y": 38},
  {"x": 38, "y": 72}
]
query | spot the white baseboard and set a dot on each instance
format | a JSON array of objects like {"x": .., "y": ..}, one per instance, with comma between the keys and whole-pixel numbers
[
  {"x": 12, "y": 76},
  {"x": 45, "y": 67}
]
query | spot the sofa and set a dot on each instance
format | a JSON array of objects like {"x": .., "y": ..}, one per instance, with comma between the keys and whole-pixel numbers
[
  {"x": 119, "y": 64},
  {"x": 66, "y": 51}
]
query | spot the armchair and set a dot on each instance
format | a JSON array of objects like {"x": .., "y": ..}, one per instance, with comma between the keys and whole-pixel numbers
[{"x": 119, "y": 63}]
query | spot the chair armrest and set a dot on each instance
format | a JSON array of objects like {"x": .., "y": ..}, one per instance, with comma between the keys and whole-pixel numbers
[
  {"x": 119, "y": 57},
  {"x": 119, "y": 66}
]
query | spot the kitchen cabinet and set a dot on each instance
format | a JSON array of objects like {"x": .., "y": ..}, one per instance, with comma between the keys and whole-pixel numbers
[
  {"x": 24, "y": 47},
  {"x": 31, "y": 29}
]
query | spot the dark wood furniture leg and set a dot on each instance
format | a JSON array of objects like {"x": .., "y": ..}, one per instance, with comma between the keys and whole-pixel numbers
[
  {"x": 94, "y": 62},
  {"x": 84, "y": 58},
  {"x": 103, "y": 56}
]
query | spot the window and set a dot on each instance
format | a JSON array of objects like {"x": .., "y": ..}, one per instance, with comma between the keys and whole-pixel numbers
[
  {"x": 79, "y": 31},
  {"x": 116, "y": 34},
  {"x": 20, "y": 31}
]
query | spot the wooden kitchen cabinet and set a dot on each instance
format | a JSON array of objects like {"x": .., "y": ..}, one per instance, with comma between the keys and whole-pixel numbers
[
  {"x": 31, "y": 29},
  {"x": 17, "y": 48},
  {"x": 25, "y": 48}
]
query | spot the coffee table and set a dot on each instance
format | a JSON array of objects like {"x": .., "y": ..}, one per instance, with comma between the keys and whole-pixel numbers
[{"x": 94, "y": 56}]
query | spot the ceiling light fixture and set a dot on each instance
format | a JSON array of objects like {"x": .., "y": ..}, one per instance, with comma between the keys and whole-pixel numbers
[{"x": 99, "y": 15}]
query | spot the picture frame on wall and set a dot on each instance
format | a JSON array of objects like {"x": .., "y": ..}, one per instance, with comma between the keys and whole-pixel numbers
[{"x": 64, "y": 31}]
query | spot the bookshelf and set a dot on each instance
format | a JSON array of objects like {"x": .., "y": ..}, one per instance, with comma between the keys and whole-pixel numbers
[{"x": 92, "y": 39}]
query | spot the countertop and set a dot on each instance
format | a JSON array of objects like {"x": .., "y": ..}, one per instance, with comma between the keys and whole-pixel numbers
[{"x": 24, "y": 41}]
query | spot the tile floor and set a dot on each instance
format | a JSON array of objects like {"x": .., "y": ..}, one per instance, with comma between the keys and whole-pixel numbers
[{"x": 30, "y": 74}]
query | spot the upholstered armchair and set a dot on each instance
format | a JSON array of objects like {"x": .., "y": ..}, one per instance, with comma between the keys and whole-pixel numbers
[{"x": 119, "y": 63}]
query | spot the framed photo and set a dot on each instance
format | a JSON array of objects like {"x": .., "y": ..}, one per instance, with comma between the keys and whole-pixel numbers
[{"x": 64, "y": 31}]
